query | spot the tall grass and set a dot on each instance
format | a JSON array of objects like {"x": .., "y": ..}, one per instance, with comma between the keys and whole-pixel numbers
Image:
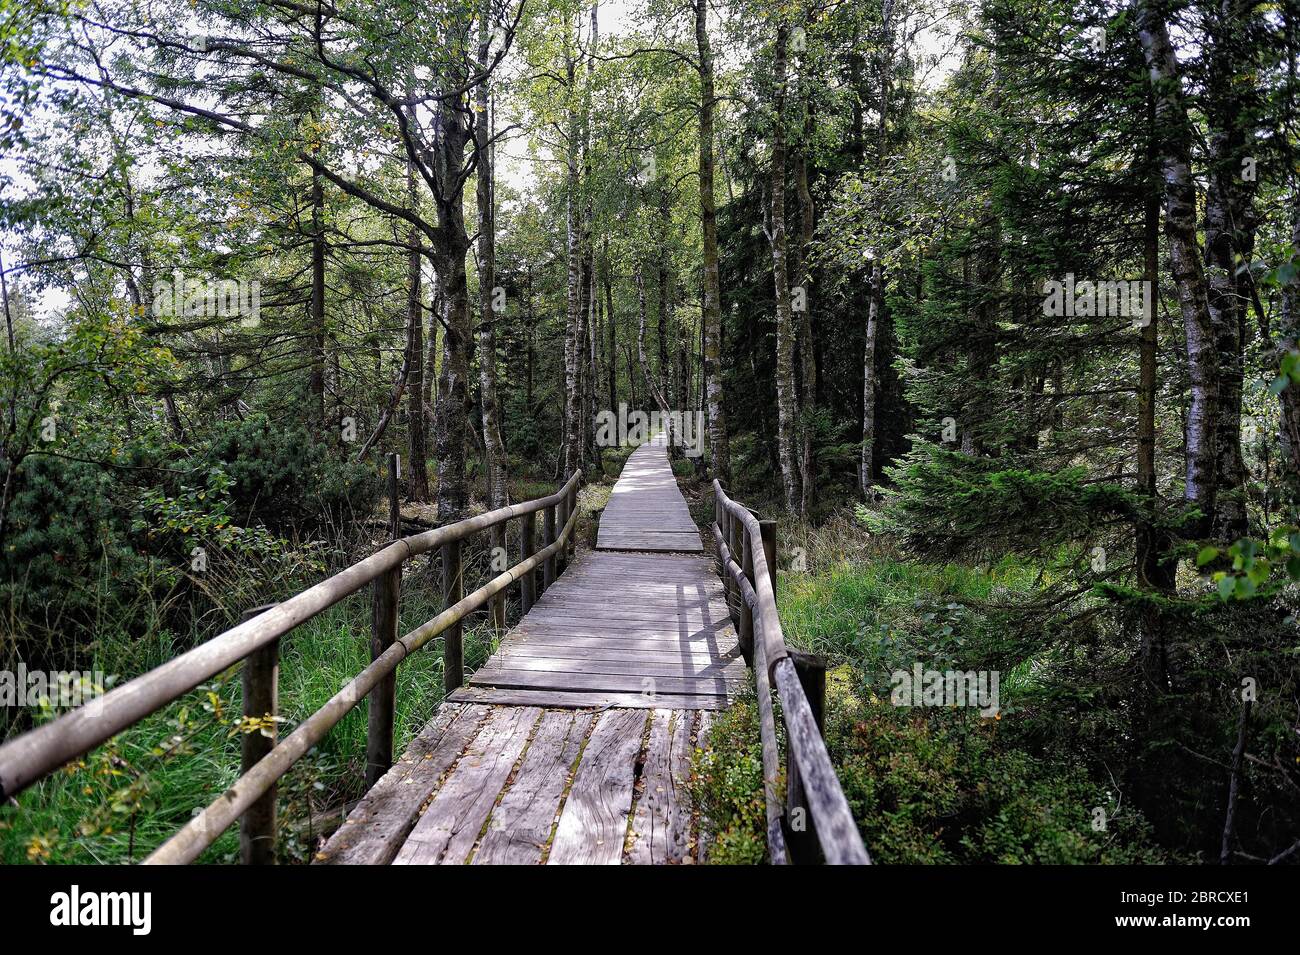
[{"x": 124, "y": 799}]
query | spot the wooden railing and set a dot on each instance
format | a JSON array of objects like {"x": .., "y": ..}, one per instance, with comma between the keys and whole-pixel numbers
[
  {"x": 816, "y": 816},
  {"x": 251, "y": 799}
]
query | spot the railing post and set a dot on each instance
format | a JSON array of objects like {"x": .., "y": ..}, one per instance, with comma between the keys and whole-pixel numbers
[
  {"x": 394, "y": 505},
  {"x": 571, "y": 546},
  {"x": 746, "y": 614},
  {"x": 767, "y": 530},
  {"x": 724, "y": 530},
  {"x": 382, "y": 701},
  {"x": 498, "y": 605},
  {"x": 548, "y": 538},
  {"x": 261, "y": 681},
  {"x": 738, "y": 535},
  {"x": 801, "y": 835},
  {"x": 561, "y": 519},
  {"x": 527, "y": 547},
  {"x": 453, "y": 650}
]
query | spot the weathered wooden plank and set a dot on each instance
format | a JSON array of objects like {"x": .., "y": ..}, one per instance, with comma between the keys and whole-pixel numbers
[
  {"x": 520, "y": 826},
  {"x": 593, "y": 700},
  {"x": 661, "y": 821},
  {"x": 681, "y": 656},
  {"x": 447, "y": 831},
  {"x": 376, "y": 828},
  {"x": 593, "y": 823},
  {"x": 608, "y": 682},
  {"x": 723, "y": 669}
]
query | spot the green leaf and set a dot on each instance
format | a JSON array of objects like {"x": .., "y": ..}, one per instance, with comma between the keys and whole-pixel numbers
[{"x": 1206, "y": 555}]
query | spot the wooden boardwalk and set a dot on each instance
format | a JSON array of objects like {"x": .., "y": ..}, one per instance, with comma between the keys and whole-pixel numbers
[
  {"x": 646, "y": 511},
  {"x": 572, "y": 744}
]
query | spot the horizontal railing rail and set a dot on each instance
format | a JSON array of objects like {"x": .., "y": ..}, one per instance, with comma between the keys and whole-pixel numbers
[
  {"x": 814, "y": 804},
  {"x": 31, "y": 756}
]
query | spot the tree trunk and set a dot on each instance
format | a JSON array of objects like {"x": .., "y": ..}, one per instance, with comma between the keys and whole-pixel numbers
[
  {"x": 1174, "y": 132},
  {"x": 417, "y": 467},
  {"x": 494, "y": 450},
  {"x": 787, "y": 413},
  {"x": 712, "y": 308},
  {"x": 573, "y": 319},
  {"x": 316, "y": 314},
  {"x": 876, "y": 303},
  {"x": 807, "y": 362}
]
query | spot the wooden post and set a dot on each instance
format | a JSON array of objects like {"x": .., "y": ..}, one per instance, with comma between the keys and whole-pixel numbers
[
  {"x": 801, "y": 832},
  {"x": 261, "y": 681},
  {"x": 572, "y": 545},
  {"x": 382, "y": 701},
  {"x": 498, "y": 604},
  {"x": 724, "y": 528},
  {"x": 561, "y": 519},
  {"x": 453, "y": 649},
  {"x": 527, "y": 547},
  {"x": 394, "y": 505},
  {"x": 738, "y": 536},
  {"x": 746, "y": 614},
  {"x": 768, "y": 531},
  {"x": 548, "y": 538}
]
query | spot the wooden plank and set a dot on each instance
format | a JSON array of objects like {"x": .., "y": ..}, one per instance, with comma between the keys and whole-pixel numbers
[
  {"x": 376, "y": 828},
  {"x": 661, "y": 821},
  {"x": 521, "y": 825},
  {"x": 593, "y": 824},
  {"x": 447, "y": 831},
  {"x": 593, "y": 700},
  {"x": 723, "y": 669},
  {"x": 682, "y": 656},
  {"x": 608, "y": 682}
]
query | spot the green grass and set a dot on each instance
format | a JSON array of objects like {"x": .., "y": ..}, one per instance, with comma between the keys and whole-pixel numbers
[{"x": 121, "y": 801}]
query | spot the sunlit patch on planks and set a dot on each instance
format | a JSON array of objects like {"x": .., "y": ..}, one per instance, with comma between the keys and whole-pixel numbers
[
  {"x": 524, "y": 785},
  {"x": 646, "y": 510}
]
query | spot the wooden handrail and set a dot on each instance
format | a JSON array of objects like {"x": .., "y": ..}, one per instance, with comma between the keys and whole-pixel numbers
[
  {"x": 837, "y": 833},
  {"x": 33, "y": 755}
]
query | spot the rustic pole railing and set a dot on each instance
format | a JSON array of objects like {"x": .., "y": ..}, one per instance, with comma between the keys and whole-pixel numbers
[
  {"x": 35, "y": 754},
  {"x": 815, "y": 804}
]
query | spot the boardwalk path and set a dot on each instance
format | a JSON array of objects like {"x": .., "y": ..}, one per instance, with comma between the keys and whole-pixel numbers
[{"x": 572, "y": 743}]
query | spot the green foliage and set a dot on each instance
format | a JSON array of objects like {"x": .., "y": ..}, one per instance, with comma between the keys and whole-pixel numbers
[
  {"x": 949, "y": 787},
  {"x": 727, "y": 786},
  {"x": 280, "y": 476}
]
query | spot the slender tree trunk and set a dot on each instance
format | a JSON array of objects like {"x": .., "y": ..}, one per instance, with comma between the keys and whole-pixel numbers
[
  {"x": 1174, "y": 132},
  {"x": 807, "y": 360},
  {"x": 876, "y": 302},
  {"x": 613, "y": 332},
  {"x": 712, "y": 309},
  {"x": 787, "y": 413},
  {"x": 455, "y": 404},
  {"x": 1229, "y": 241},
  {"x": 316, "y": 314},
  {"x": 493, "y": 446},
  {"x": 573, "y": 321},
  {"x": 417, "y": 467}
]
